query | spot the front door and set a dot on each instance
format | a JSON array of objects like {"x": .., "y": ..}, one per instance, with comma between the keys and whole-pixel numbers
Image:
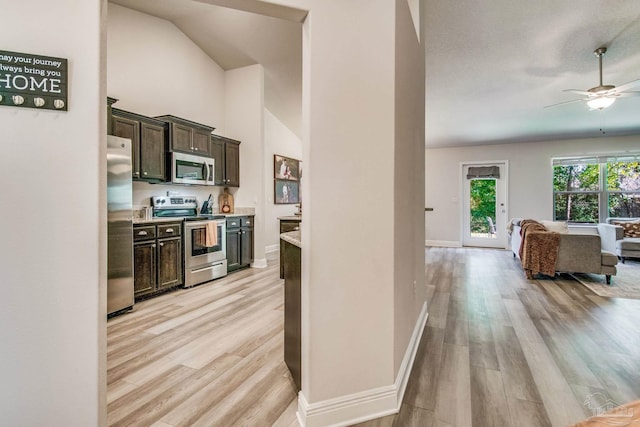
[{"x": 484, "y": 205}]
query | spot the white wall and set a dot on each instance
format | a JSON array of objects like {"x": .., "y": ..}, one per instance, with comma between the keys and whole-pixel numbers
[
  {"x": 278, "y": 139},
  {"x": 244, "y": 121},
  {"x": 349, "y": 242},
  {"x": 408, "y": 202},
  {"x": 52, "y": 252},
  {"x": 153, "y": 68},
  {"x": 530, "y": 178}
]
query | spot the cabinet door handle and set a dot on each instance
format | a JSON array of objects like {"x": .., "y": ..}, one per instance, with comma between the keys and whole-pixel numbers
[
  {"x": 144, "y": 173},
  {"x": 169, "y": 230},
  {"x": 136, "y": 173},
  {"x": 153, "y": 246},
  {"x": 161, "y": 244},
  {"x": 195, "y": 148},
  {"x": 142, "y": 233}
]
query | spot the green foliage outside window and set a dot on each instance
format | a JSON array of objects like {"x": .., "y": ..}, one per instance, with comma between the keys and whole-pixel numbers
[
  {"x": 483, "y": 204},
  {"x": 623, "y": 183},
  {"x": 572, "y": 200},
  {"x": 577, "y": 191}
]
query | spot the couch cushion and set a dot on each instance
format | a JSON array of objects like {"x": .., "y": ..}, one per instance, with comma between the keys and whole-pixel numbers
[
  {"x": 556, "y": 226},
  {"x": 629, "y": 244},
  {"x": 608, "y": 258},
  {"x": 631, "y": 229}
]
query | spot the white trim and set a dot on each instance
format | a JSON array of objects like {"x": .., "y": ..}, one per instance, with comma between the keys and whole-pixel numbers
[
  {"x": 410, "y": 355},
  {"x": 443, "y": 243},
  {"x": 369, "y": 404},
  {"x": 461, "y": 190},
  {"x": 259, "y": 263},
  {"x": 272, "y": 248}
]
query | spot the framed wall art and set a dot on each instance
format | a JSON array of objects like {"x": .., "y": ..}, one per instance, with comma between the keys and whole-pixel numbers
[
  {"x": 286, "y": 168},
  {"x": 286, "y": 192}
]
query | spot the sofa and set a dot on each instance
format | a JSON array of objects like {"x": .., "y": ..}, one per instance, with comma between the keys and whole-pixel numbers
[
  {"x": 621, "y": 245},
  {"x": 580, "y": 249}
]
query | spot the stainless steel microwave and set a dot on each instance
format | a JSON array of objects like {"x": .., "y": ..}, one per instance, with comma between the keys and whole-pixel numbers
[{"x": 189, "y": 169}]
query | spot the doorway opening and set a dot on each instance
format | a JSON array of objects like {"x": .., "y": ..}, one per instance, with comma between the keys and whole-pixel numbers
[{"x": 484, "y": 204}]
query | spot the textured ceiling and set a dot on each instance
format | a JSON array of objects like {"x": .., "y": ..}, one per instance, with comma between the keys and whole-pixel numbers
[{"x": 492, "y": 67}]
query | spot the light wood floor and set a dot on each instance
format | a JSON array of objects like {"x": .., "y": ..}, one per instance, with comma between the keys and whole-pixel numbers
[
  {"x": 497, "y": 350},
  {"x": 211, "y": 355}
]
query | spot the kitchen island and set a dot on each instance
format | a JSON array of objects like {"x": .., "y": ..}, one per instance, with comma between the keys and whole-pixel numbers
[
  {"x": 290, "y": 255},
  {"x": 287, "y": 223}
]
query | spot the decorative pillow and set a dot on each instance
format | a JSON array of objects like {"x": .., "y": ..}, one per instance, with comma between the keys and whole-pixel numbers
[
  {"x": 630, "y": 228},
  {"x": 556, "y": 226}
]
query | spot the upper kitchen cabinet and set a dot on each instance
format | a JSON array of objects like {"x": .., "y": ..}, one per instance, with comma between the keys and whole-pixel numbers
[
  {"x": 226, "y": 153},
  {"x": 187, "y": 136},
  {"x": 147, "y": 137}
]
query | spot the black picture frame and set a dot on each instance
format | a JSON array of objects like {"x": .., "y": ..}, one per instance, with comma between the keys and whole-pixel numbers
[
  {"x": 286, "y": 168},
  {"x": 286, "y": 192}
]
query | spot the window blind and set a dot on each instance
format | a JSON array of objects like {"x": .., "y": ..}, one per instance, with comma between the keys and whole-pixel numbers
[
  {"x": 594, "y": 160},
  {"x": 483, "y": 172}
]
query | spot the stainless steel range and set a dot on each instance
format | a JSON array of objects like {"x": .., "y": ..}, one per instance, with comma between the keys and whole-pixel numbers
[{"x": 205, "y": 256}]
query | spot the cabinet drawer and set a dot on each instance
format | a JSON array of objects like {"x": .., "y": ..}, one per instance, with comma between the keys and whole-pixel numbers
[
  {"x": 144, "y": 233},
  {"x": 169, "y": 230},
  {"x": 246, "y": 221},
  {"x": 233, "y": 222}
]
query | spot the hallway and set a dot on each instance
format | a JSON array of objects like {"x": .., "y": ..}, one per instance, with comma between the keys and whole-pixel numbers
[{"x": 499, "y": 350}]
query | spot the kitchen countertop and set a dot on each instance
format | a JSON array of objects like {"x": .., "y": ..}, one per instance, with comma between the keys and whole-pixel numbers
[
  {"x": 291, "y": 218},
  {"x": 293, "y": 237},
  {"x": 156, "y": 220}
]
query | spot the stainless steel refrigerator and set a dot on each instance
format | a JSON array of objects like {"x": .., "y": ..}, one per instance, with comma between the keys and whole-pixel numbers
[{"x": 119, "y": 226}]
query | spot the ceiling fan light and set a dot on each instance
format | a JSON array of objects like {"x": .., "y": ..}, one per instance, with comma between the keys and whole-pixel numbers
[{"x": 600, "y": 102}]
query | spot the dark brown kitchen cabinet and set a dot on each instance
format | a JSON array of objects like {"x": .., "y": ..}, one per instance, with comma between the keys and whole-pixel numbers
[
  {"x": 187, "y": 136},
  {"x": 144, "y": 271},
  {"x": 226, "y": 153},
  {"x": 292, "y": 255},
  {"x": 287, "y": 225},
  {"x": 157, "y": 263},
  {"x": 169, "y": 254},
  {"x": 239, "y": 242},
  {"x": 147, "y": 143}
]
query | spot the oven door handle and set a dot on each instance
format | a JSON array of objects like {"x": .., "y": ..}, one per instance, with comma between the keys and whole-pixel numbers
[
  {"x": 210, "y": 267},
  {"x": 194, "y": 224}
]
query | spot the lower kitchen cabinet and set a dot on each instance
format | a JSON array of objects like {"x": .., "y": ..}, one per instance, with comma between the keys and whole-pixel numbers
[
  {"x": 287, "y": 224},
  {"x": 157, "y": 253},
  {"x": 239, "y": 242}
]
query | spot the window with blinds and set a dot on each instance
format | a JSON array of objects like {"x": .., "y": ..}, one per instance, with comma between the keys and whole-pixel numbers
[{"x": 590, "y": 189}]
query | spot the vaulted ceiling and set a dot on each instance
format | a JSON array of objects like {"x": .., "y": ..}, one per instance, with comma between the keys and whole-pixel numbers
[{"x": 492, "y": 67}]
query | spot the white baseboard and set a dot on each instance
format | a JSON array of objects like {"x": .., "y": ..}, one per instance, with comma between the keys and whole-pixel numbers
[
  {"x": 271, "y": 248},
  {"x": 259, "y": 263},
  {"x": 369, "y": 404},
  {"x": 443, "y": 243}
]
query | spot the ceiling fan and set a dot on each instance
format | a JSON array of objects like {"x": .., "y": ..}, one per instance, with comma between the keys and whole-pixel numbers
[{"x": 602, "y": 96}]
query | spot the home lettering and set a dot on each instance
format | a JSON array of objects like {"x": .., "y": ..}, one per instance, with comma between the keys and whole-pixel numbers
[{"x": 32, "y": 83}]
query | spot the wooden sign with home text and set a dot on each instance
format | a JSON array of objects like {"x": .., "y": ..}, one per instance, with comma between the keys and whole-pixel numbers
[{"x": 33, "y": 81}]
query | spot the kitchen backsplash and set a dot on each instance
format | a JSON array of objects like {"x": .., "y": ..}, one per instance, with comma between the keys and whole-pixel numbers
[{"x": 143, "y": 191}]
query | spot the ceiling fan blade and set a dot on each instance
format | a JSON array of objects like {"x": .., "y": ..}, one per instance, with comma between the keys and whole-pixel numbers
[
  {"x": 627, "y": 86},
  {"x": 579, "y": 92},
  {"x": 565, "y": 102},
  {"x": 627, "y": 94}
]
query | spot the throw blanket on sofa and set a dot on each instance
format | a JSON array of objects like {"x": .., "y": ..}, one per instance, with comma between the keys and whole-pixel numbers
[{"x": 538, "y": 249}]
